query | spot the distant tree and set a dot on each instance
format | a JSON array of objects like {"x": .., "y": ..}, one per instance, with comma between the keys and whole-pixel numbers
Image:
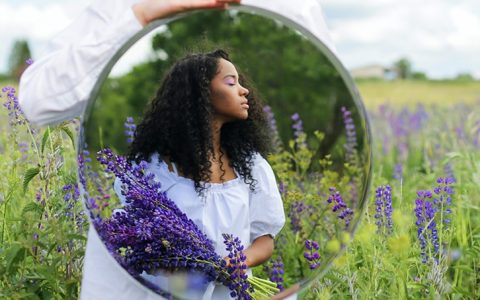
[
  {"x": 419, "y": 76},
  {"x": 403, "y": 68},
  {"x": 16, "y": 62},
  {"x": 464, "y": 77}
]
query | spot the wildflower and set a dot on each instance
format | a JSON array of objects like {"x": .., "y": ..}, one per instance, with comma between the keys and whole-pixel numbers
[
  {"x": 273, "y": 125},
  {"x": 151, "y": 233},
  {"x": 351, "y": 144},
  {"x": 15, "y": 113},
  {"x": 129, "y": 129},
  {"x": 425, "y": 213},
  {"x": 383, "y": 209},
  {"x": 398, "y": 171},
  {"x": 238, "y": 285},
  {"x": 443, "y": 198},
  {"x": 297, "y": 210},
  {"x": 277, "y": 273},
  {"x": 312, "y": 255},
  {"x": 282, "y": 188},
  {"x": 298, "y": 130},
  {"x": 339, "y": 206}
]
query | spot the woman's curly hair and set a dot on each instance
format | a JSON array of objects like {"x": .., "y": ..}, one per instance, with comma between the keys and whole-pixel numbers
[{"x": 177, "y": 123}]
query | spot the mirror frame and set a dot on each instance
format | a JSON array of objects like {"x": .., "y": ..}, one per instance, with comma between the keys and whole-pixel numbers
[{"x": 321, "y": 46}]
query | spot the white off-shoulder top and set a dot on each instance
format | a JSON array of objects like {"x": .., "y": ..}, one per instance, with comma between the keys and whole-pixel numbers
[{"x": 228, "y": 207}]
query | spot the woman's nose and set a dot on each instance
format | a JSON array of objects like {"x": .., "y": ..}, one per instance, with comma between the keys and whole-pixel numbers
[{"x": 245, "y": 91}]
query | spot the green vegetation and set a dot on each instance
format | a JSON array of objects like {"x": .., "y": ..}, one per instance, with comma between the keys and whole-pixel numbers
[{"x": 408, "y": 93}]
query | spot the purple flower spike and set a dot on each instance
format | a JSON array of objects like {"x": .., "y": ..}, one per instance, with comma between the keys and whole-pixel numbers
[
  {"x": 299, "y": 210},
  {"x": 15, "y": 113},
  {"x": 239, "y": 285},
  {"x": 428, "y": 212},
  {"x": 273, "y": 125},
  {"x": 129, "y": 129},
  {"x": 339, "y": 206},
  {"x": 312, "y": 255},
  {"x": 351, "y": 144},
  {"x": 297, "y": 127},
  {"x": 384, "y": 210}
]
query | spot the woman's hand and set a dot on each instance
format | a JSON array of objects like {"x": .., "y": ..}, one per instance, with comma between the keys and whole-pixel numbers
[
  {"x": 148, "y": 10},
  {"x": 259, "y": 251}
]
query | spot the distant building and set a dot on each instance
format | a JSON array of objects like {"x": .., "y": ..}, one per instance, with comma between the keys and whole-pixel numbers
[{"x": 373, "y": 72}]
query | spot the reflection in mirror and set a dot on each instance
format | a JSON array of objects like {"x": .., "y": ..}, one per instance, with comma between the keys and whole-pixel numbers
[{"x": 319, "y": 154}]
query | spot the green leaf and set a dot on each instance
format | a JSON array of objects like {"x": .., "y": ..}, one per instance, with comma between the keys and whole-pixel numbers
[
  {"x": 32, "y": 207},
  {"x": 29, "y": 174},
  {"x": 14, "y": 255},
  {"x": 69, "y": 133},
  {"x": 74, "y": 236},
  {"x": 46, "y": 134}
]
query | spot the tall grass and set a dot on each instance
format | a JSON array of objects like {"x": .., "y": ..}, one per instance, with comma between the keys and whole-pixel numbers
[{"x": 42, "y": 227}]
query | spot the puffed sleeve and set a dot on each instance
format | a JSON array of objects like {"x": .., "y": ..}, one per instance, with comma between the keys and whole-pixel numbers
[
  {"x": 267, "y": 216},
  {"x": 56, "y": 87}
]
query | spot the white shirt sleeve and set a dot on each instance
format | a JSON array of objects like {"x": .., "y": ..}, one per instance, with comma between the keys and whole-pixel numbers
[
  {"x": 266, "y": 206},
  {"x": 56, "y": 87}
]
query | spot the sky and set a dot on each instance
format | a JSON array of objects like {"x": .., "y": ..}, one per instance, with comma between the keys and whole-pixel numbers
[{"x": 439, "y": 37}]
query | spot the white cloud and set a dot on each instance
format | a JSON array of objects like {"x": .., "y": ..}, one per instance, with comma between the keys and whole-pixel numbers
[
  {"x": 28, "y": 20},
  {"x": 441, "y": 37}
]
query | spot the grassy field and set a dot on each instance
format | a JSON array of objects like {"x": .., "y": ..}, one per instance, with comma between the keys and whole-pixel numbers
[
  {"x": 408, "y": 93},
  {"x": 419, "y": 255}
]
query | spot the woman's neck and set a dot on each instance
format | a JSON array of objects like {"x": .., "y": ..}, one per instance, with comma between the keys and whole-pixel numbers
[{"x": 217, "y": 149}]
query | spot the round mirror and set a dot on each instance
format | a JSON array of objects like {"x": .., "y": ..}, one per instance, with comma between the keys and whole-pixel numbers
[{"x": 307, "y": 147}]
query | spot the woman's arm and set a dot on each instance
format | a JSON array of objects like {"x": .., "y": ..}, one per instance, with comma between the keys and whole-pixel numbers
[{"x": 259, "y": 251}]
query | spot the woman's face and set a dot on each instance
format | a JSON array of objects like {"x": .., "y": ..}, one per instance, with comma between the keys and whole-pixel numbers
[{"x": 227, "y": 96}]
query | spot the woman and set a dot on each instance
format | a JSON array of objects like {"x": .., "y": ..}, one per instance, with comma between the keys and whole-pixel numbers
[
  {"x": 202, "y": 135},
  {"x": 57, "y": 87}
]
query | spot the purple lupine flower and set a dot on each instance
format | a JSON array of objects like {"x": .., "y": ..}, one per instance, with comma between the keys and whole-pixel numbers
[
  {"x": 420, "y": 222},
  {"x": 159, "y": 236},
  {"x": 299, "y": 210},
  {"x": 297, "y": 127},
  {"x": 152, "y": 221},
  {"x": 312, "y": 255},
  {"x": 129, "y": 129},
  {"x": 273, "y": 126},
  {"x": 448, "y": 168},
  {"x": 425, "y": 213},
  {"x": 282, "y": 188},
  {"x": 23, "y": 147},
  {"x": 398, "y": 171},
  {"x": 339, "y": 206},
  {"x": 29, "y": 61},
  {"x": 71, "y": 195},
  {"x": 418, "y": 118},
  {"x": 383, "y": 209},
  {"x": 432, "y": 225},
  {"x": 15, "y": 113},
  {"x": 351, "y": 143},
  {"x": 239, "y": 286},
  {"x": 443, "y": 198},
  {"x": 277, "y": 273}
]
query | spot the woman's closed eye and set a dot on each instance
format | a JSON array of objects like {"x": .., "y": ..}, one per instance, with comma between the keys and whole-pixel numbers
[{"x": 231, "y": 83}]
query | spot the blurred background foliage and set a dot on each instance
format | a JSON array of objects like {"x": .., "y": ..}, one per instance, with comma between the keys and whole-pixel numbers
[{"x": 289, "y": 73}]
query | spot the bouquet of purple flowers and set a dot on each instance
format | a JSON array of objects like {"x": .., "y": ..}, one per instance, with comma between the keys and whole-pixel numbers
[{"x": 151, "y": 233}]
